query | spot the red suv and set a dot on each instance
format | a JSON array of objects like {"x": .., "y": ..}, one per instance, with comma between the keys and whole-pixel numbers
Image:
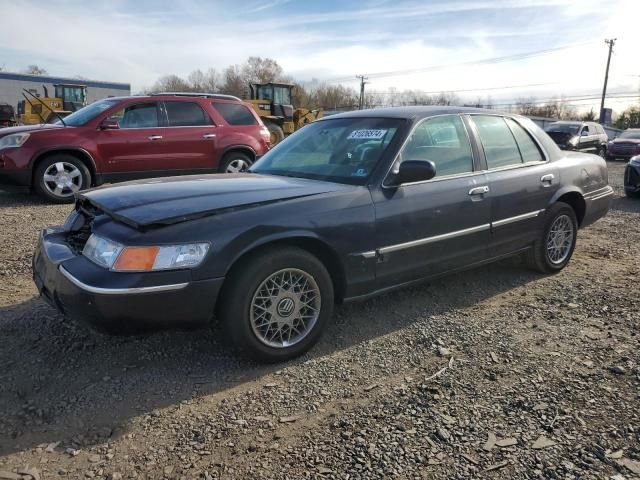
[{"x": 133, "y": 137}]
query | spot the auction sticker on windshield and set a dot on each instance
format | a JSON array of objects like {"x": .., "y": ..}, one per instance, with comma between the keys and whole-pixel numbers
[{"x": 375, "y": 134}]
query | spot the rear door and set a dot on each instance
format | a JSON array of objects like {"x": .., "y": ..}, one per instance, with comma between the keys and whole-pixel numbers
[
  {"x": 135, "y": 146},
  {"x": 190, "y": 138},
  {"x": 521, "y": 180}
]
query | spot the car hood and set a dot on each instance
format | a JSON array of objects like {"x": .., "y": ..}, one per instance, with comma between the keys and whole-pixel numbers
[
  {"x": 626, "y": 140},
  {"x": 165, "y": 201},
  {"x": 28, "y": 128}
]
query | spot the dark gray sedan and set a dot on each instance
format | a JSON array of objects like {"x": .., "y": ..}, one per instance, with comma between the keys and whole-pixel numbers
[{"x": 348, "y": 207}]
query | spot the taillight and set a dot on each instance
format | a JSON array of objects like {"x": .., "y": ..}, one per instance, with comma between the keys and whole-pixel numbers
[{"x": 265, "y": 134}]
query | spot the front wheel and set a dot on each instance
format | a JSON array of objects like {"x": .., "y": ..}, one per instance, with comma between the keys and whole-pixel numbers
[
  {"x": 59, "y": 177},
  {"x": 602, "y": 152},
  {"x": 276, "y": 303},
  {"x": 554, "y": 247}
]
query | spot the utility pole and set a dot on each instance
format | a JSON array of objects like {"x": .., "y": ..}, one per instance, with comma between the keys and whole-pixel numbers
[
  {"x": 611, "y": 42},
  {"x": 362, "y": 84}
]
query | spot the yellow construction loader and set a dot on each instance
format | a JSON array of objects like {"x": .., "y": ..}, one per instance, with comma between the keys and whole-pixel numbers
[
  {"x": 272, "y": 102},
  {"x": 35, "y": 109}
]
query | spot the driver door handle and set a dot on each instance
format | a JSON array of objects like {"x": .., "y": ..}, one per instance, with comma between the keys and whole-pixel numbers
[
  {"x": 155, "y": 137},
  {"x": 208, "y": 136},
  {"x": 479, "y": 190}
]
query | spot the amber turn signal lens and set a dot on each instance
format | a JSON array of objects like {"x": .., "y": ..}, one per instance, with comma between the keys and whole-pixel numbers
[{"x": 137, "y": 258}]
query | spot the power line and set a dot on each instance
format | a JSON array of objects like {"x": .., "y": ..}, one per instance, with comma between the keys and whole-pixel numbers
[
  {"x": 464, "y": 90},
  {"x": 485, "y": 61}
]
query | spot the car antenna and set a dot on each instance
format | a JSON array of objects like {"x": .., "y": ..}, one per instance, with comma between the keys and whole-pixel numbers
[
  {"x": 50, "y": 109},
  {"x": 29, "y": 102}
]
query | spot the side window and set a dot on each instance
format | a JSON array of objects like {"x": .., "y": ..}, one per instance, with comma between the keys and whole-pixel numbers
[
  {"x": 500, "y": 148},
  {"x": 235, "y": 114},
  {"x": 528, "y": 148},
  {"x": 186, "y": 114},
  {"x": 585, "y": 130},
  {"x": 442, "y": 140},
  {"x": 139, "y": 115}
]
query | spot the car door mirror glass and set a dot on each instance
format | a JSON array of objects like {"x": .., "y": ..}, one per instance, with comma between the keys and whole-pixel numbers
[
  {"x": 411, "y": 171},
  {"x": 110, "y": 124}
]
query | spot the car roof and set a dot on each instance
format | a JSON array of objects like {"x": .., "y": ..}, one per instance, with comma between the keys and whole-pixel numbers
[
  {"x": 411, "y": 112},
  {"x": 154, "y": 96}
]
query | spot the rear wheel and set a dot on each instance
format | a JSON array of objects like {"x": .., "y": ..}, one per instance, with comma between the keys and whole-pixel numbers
[
  {"x": 59, "y": 177},
  {"x": 553, "y": 249},
  {"x": 235, "y": 162},
  {"x": 602, "y": 151},
  {"x": 276, "y": 303},
  {"x": 277, "y": 134}
]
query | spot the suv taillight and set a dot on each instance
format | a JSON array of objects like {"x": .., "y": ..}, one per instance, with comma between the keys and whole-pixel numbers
[{"x": 266, "y": 135}]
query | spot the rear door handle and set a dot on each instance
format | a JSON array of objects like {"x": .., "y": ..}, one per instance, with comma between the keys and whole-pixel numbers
[
  {"x": 155, "y": 137},
  {"x": 547, "y": 179},
  {"x": 479, "y": 190},
  {"x": 207, "y": 136}
]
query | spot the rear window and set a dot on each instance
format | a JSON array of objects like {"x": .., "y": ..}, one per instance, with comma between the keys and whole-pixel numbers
[
  {"x": 186, "y": 114},
  {"x": 235, "y": 114}
]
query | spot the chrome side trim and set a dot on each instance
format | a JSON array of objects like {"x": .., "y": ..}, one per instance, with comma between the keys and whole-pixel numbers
[
  {"x": 599, "y": 193},
  {"x": 436, "y": 238},
  {"x": 369, "y": 254},
  {"x": 119, "y": 291},
  {"x": 517, "y": 218}
]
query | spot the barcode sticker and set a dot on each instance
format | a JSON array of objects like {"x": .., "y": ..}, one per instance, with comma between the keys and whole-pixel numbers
[{"x": 366, "y": 134}]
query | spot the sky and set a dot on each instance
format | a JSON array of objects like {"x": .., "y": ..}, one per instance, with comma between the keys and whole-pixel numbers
[{"x": 331, "y": 40}]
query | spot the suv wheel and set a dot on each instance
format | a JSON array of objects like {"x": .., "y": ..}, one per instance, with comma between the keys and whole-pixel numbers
[
  {"x": 235, "y": 162},
  {"x": 59, "y": 177},
  {"x": 277, "y": 303},
  {"x": 602, "y": 151},
  {"x": 554, "y": 247}
]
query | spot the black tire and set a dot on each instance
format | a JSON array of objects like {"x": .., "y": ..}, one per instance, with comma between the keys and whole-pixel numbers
[
  {"x": 538, "y": 258},
  {"x": 602, "y": 152},
  {"x": 277, "y": 134},
  {"x": 71, "y": 165},
  {"x": 235, "y": 162},
  {"x": 245, "y": 281}
]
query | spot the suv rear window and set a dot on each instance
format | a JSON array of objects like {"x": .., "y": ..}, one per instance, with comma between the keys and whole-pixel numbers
[
  {"x": 186, "y": 114},
  {"x": 235, "y": 114}
]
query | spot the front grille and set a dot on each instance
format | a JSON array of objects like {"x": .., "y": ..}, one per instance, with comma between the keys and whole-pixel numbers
[{"x": 623, "y": 148}]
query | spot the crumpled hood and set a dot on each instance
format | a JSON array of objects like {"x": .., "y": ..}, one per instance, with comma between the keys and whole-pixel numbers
[
  {"x": 164, "y": 201},
  {"x": 28, "y": 128}
]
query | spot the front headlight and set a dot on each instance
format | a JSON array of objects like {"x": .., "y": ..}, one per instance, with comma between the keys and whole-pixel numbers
[
  {"x": 121, "y": 258},
  {"x": 14, "y": 140}
]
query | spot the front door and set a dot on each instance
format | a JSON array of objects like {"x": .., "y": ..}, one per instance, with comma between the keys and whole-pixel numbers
[
  {"x": 430, "y": 227},
  {"x": 521, "y": 180},
  {"x": 137, "y": 146}
]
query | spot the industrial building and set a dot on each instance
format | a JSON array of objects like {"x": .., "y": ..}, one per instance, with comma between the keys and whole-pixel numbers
[{"x": 13, "y": 84}]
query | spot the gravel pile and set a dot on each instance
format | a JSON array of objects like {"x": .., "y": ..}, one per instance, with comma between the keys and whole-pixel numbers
[{"x": 493, "y": 373}]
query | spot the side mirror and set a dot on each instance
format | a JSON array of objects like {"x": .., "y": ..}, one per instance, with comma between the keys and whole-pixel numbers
[
  {"x": 411, "y": 171},
  {"x": 110, "y": 124}
]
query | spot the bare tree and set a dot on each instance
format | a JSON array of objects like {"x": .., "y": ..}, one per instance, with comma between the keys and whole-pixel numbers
[
  {"x": 233, "y": 82},
  {"x": 35, "y": 70},
  {"x": 171, "y": 83},
  {"x": 261, "y": 70}
]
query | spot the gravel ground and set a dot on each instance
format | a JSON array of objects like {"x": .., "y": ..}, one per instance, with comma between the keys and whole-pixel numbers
[{"x": 494, "y": 373}]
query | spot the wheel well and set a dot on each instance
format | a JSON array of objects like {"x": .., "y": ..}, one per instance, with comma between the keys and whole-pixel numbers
[
  {"x": 83, "y": 157},
  {"x": 575, "y": 200},
  {"x": 317, "y": 248},
  {"x": 245, "y": 150}
]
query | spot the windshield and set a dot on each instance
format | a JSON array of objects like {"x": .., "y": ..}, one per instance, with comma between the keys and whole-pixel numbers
[
  {"x": 341, "y": 150},
  {"x": 87, "y": 113},
  {"x": 635, "y": 134},
  {"x": 563, "y": 127}
]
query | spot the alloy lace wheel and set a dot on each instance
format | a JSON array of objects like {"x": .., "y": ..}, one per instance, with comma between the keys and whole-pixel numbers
[
  {"x": 285, "y": 308},
  {"x": 62, "y": 179},
  {"x": 237, "y": 165},
  {"x": 560, "y": 239}
]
